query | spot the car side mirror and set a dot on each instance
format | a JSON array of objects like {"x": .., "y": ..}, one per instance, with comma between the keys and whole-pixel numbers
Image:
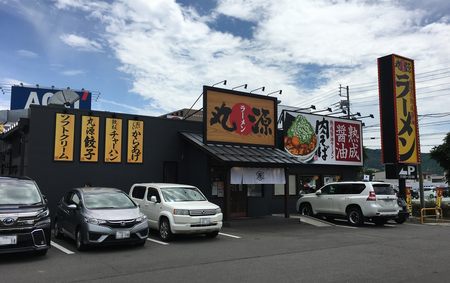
[
  {"x": 45, "y": 198},
  {"x": 72, "y": 206},
  {"x": 319, "y": 192},
  {"x": 153, "y": 199}
]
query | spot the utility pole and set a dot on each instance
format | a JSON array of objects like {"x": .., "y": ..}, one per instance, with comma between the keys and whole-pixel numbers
[{"x": 347, "y": 102}]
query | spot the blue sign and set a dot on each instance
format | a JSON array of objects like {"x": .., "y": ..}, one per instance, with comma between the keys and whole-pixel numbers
[{"x": 23, "y": 97}]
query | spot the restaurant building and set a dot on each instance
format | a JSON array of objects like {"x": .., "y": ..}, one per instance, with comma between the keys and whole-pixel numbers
[{"x": 237, "y": 155}]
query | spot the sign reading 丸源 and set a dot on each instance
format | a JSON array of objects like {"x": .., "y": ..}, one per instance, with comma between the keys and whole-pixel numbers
[
  {"x": 399, "y": 124},
  {"x": 113, "y": 140},
  {"x": 323, "y": 140},
  {"x": 236, "y": 117},
  {"x": 89, "y": 139},
  {"x": 64, "y": 136},
  {"x": 135, "y": 141}
]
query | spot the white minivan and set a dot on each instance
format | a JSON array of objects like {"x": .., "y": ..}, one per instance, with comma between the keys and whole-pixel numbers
[{"x": 177, "y": 209}]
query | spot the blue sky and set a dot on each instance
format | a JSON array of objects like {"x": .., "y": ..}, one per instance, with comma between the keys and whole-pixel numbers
[{"x": 151, "y": 57}]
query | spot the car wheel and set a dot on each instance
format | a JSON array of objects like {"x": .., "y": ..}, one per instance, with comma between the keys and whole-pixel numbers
[
  {"x": 142, "y": 243},
  {"x": 41, "y": 252},
  {"x": 379, "y": 222},
  {"x": 57, "y": 233},
  {"x": 164, "y": 230},
  {"x": 306, "y": 209},
  {"x": 400, "y": 219},
  {"x": 213, "y": 234},
  {"x": 355, "y": 216},
  {"x": 80, "y": 245}
]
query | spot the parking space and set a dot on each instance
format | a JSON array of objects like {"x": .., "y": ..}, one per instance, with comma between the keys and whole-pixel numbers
[{"x": 255, "y": 241}]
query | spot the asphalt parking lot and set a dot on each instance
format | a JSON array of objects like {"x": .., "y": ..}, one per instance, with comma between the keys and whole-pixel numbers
[{"x": 253, "y": 250}]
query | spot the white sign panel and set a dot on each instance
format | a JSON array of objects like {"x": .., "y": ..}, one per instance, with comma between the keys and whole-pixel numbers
[{"x": 320, "y": 139}]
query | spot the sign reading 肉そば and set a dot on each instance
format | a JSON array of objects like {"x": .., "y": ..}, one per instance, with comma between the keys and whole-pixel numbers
[
  {"x": 399, "y": 124},
  {"x": 64, "y": 136},
  {"x": 320, "y": 139},
  {"x": 238, "y": 117}
]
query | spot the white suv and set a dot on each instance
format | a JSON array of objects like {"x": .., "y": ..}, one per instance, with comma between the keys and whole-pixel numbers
[
  {"x": 177, "y": 209},
  {"x": 356, "y": 201}
]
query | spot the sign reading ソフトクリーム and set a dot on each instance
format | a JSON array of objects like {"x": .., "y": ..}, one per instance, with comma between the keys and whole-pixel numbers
[{"x": 237, "y": 117}]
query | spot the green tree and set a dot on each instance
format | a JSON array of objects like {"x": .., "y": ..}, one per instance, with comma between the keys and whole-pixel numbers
[{"x": 441, "y": 154}]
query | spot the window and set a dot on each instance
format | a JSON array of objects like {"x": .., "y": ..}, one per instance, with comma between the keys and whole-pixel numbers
[
  {"x": 382, "y": 189},
  {"x": 254, "y": 190},
  {"x": 138, "y": 192},
  {"x": 308, "y": 184},
  {"x": 329, "y": 190},
  {"x": 279, "y": 188},
  {"x": 75, "y": 199},
  {"x": 153, "y": 192}
]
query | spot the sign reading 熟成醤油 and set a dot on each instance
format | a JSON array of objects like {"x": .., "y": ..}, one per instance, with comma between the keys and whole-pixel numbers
[{"x": 238, "y": 118}]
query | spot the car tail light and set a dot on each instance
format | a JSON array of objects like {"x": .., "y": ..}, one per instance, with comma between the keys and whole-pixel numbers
[{"x": 372, "y": 196}]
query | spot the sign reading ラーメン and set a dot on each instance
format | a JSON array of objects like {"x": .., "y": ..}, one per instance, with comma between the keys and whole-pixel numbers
[
  {"x": 323, "y": 140},
  {"x": 237, "y": 117},
  {"x": 399, "y": 124}
]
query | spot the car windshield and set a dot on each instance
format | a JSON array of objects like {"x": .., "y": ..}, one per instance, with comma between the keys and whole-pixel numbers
[
  {"x": 108, "y": 200},
  {"x": 383, "y": 189},
  {"x": 19, "y": 193},
  {"x": 176, "y": 194}
]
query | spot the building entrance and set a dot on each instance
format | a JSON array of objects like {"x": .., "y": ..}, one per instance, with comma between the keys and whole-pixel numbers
[{"x": 238, "y": 199}]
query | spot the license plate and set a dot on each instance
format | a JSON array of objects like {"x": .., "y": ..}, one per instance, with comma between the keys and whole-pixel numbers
[
  {"x": 8, "y": 240},
  {"x": 205, "y": 221},
  {"x": 122, "y": 234}
]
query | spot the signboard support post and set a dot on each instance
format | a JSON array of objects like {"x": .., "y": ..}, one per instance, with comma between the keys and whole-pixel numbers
[
  {"x": 286, "y": 193},
  {"x": 422, "y": 198},
  {"x": 402, "y": 188}
]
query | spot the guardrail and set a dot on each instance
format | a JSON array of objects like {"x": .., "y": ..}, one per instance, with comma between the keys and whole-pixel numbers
[{"x": 437, "y": 213}]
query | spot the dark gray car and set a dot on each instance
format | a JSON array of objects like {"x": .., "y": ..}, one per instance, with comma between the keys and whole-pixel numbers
[
  {"x": 24, "y": 217},
  {"x": 93, "y": 216}
]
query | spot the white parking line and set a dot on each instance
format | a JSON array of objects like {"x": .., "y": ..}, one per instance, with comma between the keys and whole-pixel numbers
[
  {"x": 390, "y": 225},
  {"x": 61, "y": 248},
  {"x": 228, "y": 235},
  {"x": 345, "y": 226},
  {"x": 314, "y": 221},
  {"x": 158, "y": 242}
]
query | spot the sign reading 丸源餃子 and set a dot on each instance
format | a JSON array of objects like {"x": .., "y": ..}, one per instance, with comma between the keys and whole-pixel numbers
[
  {"x": 64, "y": 136},
  {"x": 23, "y": 97},
  {"x": 238, "y": 118},
  {"x": 113, "y": 140},
  {"x": 320, "y": 139},
  {"x": 135, "y": 141},
  {"x": 399, "y": 124},
  {"x": 89, "y": 139}
]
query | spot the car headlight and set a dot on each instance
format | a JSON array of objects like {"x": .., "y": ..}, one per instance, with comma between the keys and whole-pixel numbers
[
  {"x": 181, "y": 212},
  {"x": 218, "y": 210},
  {"x": 43, "y": 214},
  {"x": 95, "y": 221},
  {"x": 142, "y": 217}
]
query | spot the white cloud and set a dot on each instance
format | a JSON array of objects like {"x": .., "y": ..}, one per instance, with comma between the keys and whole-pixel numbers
[
  {"x": 26, "y": 53},
  {"x": 81, "y": 43},
  {"x": 72, "y": 72},
  {"x": 170, "y": 52}
]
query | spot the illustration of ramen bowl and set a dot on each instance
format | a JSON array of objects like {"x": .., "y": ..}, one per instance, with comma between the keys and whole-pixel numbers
[{"x": 301, "y": 140}]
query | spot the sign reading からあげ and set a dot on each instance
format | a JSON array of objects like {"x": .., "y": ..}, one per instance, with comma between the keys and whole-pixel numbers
[
  {"x": 135, "y": 141},
  {"x": 239, "y": 118}
]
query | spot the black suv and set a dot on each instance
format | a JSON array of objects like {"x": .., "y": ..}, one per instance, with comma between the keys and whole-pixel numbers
[{"x": 24, "y": 217}]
